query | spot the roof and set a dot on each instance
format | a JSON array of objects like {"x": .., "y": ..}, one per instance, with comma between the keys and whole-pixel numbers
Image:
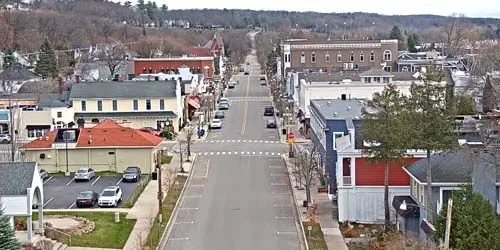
[
  {"x": 132, "y": 89},
  {"x": 108, "y": 133},
  {"x": 376, "y": 73},
  {"x": 54, "y": 100},
  {"x": 333, "y": 41},
  {"x": 199, "y": 51},
  {"x": 335, "y": 109},
  {"x": 125, "y": 114},
  {"x": 16, "y": 177},
  {"x": 454, "y": 167},
  {"x": 39, "y": 87},
  {"x": 17, "y": 73},
  {"x": 196, "y": 58}
]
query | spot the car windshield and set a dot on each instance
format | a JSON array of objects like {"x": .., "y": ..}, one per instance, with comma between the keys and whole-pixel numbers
[
  {"x": 270, "y": 121},
  {"x": 86, "y": 194},
  {"x": 131, "y": 170},
  {"x": 82, "y": 170},
  {"x": 108, "y": 193}
]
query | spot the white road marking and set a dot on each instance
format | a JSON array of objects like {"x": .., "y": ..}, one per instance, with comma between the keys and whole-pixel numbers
[
  {"x": 223, "y": 153},
  {"x": 69, "y": 182},
  {"x": 282, "y": 205},
  {"x": 72, "y": 205},
  {"x": 286, "y": 233},
  {"x": 47, "y": 202},
  {"x": 244, "y": 140},
  {"x": 218, "y": 153},
  {"x": 280, "y": 193},
  {"x": 97, "y": 179},
  {"x": 50, "y": 178},
  {"x": 206, "y": 153},
  {"x": 239, "y": 140},
  {"x": 284, "y": 217},
  {"x": 208, "y": 168},
  {"x": 274, "y": 166},
  {"x": 242, "y": 153},
  {"x": 192, "y": 196},
  {"x": 261, "y": 141},
  {"x": 189, "y": 208},
  {"x": 260, "y": 153},
  {"x": 197, "y": 185},
  {"x": 272, "y": 153},
  {"x": 278, "y": 184},
  {"x": 253, "y": 152},
  {"x": 186, "y": 238},
  {"x": 248, "y": 153},
  {"x": 278, "y": 174},
  {"x": 120, "y": 181},
  {"x": 267, "y": 153},
  {"x": 235, "y": 153},
  {"x": 211, "y": 153},
  {"x": 185, "y": 222},
  {"x": 229, "y": 152}
]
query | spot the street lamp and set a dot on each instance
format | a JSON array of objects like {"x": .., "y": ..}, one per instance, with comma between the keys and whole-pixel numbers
[
  {"x": 66, "y": 138},
  {"x": 160, "y": 192}
]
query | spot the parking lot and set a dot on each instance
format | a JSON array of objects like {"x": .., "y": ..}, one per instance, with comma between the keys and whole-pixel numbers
[{"x": 60, "y": 192}]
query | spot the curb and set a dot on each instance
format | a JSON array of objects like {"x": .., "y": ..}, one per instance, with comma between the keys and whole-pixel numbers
[
  {"x": 304, "y": 238},
  {"x": 175, "y": 211}
]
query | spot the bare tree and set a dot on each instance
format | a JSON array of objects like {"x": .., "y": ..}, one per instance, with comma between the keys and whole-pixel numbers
[
  {"x": 113, "y": 57},
  {"x": 146, "y": 48},
  {"x": 10, "y": 147},
  {"x": 455, "y": 30},
  {"x": 306, "y": 167},
  {"x": 189, "y": 139}
]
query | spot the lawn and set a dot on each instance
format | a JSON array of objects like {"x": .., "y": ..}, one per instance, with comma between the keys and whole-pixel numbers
[
  {"x": 166, "y": 159},
  {"x": 107, "y": 233},
  {"x": 168, "y": 206},
  {"x": 316, "y": 240}
]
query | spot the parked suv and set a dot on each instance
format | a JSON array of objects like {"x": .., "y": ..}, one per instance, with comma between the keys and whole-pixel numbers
[
  {"x": 268, "y": 111},
  {"x": 110, "y": 197},
  {"x": 131, "y": 174}
]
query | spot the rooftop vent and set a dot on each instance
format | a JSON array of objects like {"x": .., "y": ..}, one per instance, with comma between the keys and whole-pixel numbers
[
  {"x": 335, "y": 114},
  {"x": 348, "y": 108},
  {"x": 328, "y": 103}
]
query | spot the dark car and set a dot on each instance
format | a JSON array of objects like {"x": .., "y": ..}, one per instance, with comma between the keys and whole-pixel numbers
[
  {"x": 219, "y": 114},
  {"x": 242, "y": 70},
  {"x": 132, "y": 174},
  {"x": 87, "y": 199},
  {"x": 247, "y": 73},
  {"x": 268, "y": 111},
  {"x": 271, "y": 123},
  {"x": 263, "y": 80},
  {"x": 231, "y": 85},
  {"x": 223, "y": 106}
]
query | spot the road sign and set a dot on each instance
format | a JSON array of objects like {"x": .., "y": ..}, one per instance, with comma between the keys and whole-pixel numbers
[
  {"x": 309, "y": 228},
  {"x": 291, "y": 137}
]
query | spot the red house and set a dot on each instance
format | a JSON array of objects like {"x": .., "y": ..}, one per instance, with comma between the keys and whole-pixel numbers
[{"x": 196, "y": 65}]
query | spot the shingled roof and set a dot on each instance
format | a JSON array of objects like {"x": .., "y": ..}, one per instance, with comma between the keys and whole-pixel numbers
[
  {"x": 16, "y": 177},
  {"x": 132, "y": 89}
]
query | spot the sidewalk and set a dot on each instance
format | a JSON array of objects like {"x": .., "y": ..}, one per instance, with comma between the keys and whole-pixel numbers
[
  {"x": 299, "y": 138},
  {"x": 146, "y": 207},
  {"x": 330, "y": 226}
]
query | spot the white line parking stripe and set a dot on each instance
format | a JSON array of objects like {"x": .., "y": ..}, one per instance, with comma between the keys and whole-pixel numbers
[
  {"x": 286, "y": 233},
  {"x": 239, "y": 140},
  {"x": 192, "y": 196},
  {"x": 242, "y": 153},
  {"x": 51, "y": 199},
  {"x": 69, "y": 182},
  {"x": 278, "y": 184},
  {"x": 218, "y": 153},
  {"x": 223, "y": 153},
  {"x": 282, "y": 205},
  {"x": 186, "y": 238},
  {"x": 189, "y": 208},
  {"x": 206, "y": 153},
  {"x": 235, "y": 153},
  {"x": 285, "y": 217},
  {"x": 185, "y": 222},
  {"x": 260, "y": 153},
  {"x": 97, "y": 179},
  {"x": 120, "y": 181},
  {"x": 211, "y": 153},
  {"x": 50, "y": 178},
  {"x": 72, "y": 205},
  {"x": 253, "y": 152},
  {"x": 261, "y": 141}
]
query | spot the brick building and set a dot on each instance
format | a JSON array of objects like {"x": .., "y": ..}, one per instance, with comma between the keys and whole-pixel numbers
[
  {"x": 197, "y": 65},
  {"x": 339, "y": 54}
]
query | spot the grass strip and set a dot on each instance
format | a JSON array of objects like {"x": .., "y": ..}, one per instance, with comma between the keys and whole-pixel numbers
[{"x": 315, "y": 239}]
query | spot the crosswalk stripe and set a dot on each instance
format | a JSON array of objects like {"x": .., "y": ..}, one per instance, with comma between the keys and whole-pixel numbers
[
  {"x": 218, "y": 153},
  {"x": 211, "y": 153},
  {"x": 242, "y": 153},
  {"x": 244, "y": 140},
  {"x": 267, "y": 153},
  {"x": 248, "y": 153},
  {"x": 235, "y": 153},
  {"x": 272, "y": 153},
  {"x": 261, "y": 141},
  {"x": 260, "y": 153},
  {"x": 253, "y": 152},
  {"x": 239, "y": 140},
  {"x": 229, "y": 152},
  {"x": 223, "y": 153}
]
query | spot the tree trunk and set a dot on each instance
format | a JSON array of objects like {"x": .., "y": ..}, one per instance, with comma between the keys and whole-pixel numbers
[
  {"x": 308, "y": 193},
  {"x": 386, "y": 197},
  {"x": 428, "y": 201}
]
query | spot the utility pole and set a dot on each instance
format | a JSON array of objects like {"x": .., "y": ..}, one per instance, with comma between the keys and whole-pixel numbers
[
  {"x": 180, "y": 156},
  {"x": 160, "y": 193},
  {"x": 448, "y": 225}
]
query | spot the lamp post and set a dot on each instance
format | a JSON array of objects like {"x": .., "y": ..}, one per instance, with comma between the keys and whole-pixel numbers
[
  {"x": 65, "y": 136},
  {"x": 404, "y": 206},
  {"x": 160, "y": 192}
]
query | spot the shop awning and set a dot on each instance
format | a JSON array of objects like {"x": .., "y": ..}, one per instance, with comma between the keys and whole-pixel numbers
[
  {"x": 194, "y": 103},
  {"x": 37, "y": 127}
]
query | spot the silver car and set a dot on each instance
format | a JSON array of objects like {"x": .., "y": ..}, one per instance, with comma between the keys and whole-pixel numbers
[{"x": 84, "y": 174}]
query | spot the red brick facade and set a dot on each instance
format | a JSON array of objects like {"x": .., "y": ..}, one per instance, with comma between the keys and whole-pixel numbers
[
  {"x": 165, "y": 65},
  {"x": 372, "y": 174}
]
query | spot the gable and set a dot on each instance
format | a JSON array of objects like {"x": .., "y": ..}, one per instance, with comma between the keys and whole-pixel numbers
[{"x": 370, "y": 173}]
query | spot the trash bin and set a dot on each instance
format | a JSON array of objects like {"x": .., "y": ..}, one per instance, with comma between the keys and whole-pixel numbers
[
  {"x": 154, "y": 176},
  {"x": 283, "y": 131},
  {"x": 304, "y": 203}
]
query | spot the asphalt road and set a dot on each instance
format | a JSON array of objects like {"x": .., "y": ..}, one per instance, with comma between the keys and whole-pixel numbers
[
  {"x": 60, "y": 192},
  {"x": 240, "y": 200}
]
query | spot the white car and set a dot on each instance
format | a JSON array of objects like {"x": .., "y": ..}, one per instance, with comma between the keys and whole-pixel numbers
[
  {"x": 110, "y": 197},
  {"x": 216, "y": 123},
  {"x": 4, "y": 138},
  {"x": 84, "y": 174}
]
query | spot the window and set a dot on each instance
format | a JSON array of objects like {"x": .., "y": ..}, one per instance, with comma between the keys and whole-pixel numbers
[
  {"x": 351, "y": 57},
  {"x": 386, "y": 79},
  {"x": 327, "y": 58},
  {"x": 421, "y": 194},
  {"x": 339, "y": 57},
  {"x": 372, "y": 56},
  {"x": 343, "y": 97},
  {"x": 361, "y": 57},
  {"x": 35, "y": 133},
  {"x": 302, "y": 57},
  {"x": 162, "y": 104},
  {"x": 335, "y": 136},
  {"x": 404, "y": 69},
  {"x": 99, "y": 105},
  {"x": 368, "y": 80},
  {"x": 115, "y": 105},
  {"x": 144, "y": 70},
  {"x": 148, "y": 104},
  {"x": 313, "y": 57},
  {"x": 387, "y": 55},
  {"x": 136, "y": 105},
  {"x": 84, "y": 106},
  {"x": 376, "y": 79},
  {"x": 59, "y": 114},
  {"x": 387, "y": 68}
]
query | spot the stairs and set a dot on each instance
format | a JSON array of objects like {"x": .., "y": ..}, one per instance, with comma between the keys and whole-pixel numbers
[{"x": 56, "y": 245}]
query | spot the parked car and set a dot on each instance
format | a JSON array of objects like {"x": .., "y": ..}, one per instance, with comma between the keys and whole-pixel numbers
[
  {"x": 132, "y": 174},
  {"x": 242, "y": 70},
  {"x": 247, "y": 73},
  {"x": 219, "y": 114},
  {"x": 43, "y": 174},
  {"x": 271, "y": 123},
  {"x": 87, "y": 199},
  {"x": 224, "y": 99},
  {"x": 268, "y": 111},
  {"x": 223, "y": 106},
  {"x": 84, "y": 174},
  {"x": 110, "y": 197},
  {"x": 216, "y": 123},
  {"x": 4, "y": 138},
  {"x": 231, "y": 85},
  {"x": 263, "y": 80}
]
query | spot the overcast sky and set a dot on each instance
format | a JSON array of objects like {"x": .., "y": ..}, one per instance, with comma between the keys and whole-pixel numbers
[{"x": 476, "y": 8}]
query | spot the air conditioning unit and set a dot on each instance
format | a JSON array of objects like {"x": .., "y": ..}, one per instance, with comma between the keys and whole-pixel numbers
[{"x": 49, "y": 156}]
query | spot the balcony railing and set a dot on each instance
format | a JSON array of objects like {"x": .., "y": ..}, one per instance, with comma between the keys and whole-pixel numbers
[{"x": 346, "y": 180}]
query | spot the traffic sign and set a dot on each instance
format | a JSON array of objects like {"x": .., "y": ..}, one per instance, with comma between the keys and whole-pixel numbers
[{"x": 291, "y": 137}]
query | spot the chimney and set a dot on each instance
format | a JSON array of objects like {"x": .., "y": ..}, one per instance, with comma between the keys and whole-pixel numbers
[{"x": 90, "y": 139}]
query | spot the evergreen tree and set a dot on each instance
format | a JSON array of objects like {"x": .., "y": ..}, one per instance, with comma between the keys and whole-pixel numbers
[
  {"x": 8, "y": 240},
  {"x": 464, "y": 105},
  {"x": 385, "y": 129},
  {"x": 46, "y": 65},
  {"x": 141, "y": 5},
  {"x": 474, "y": 224},
  {"x": 396, "y": 34},
  {"x": 411, "y": 44},
  {"x": 431, "y": 128},
  {"x": 9, "y": 59}
]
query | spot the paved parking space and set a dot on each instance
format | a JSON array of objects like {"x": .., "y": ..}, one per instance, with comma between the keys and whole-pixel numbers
[{"x": 60, "y": 192}]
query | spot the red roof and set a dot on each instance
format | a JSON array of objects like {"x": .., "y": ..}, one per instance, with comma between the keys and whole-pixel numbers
[
  {"x": 372, "y": 173},
  {"x": 106, "y": 134},
  {"x": 199, "y": 51}
]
